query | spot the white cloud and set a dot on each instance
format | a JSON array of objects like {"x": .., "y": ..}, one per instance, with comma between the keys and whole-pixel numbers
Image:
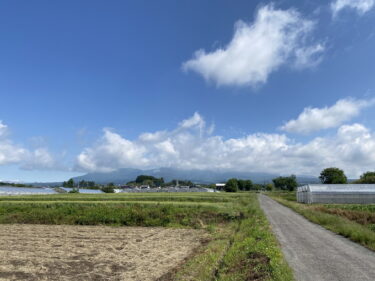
[
  {"x": 309, "y": 56},
  {"x": 315, "y": 119},
  {"x": 361, "y": 6},
  {"x": 3, "y": 129},
  {"x": 10, "y": 153},
  {"x": 112, "y": 151},
  {"x": 39, "y": 159},
  {"x": 274, "y": 39},
  {"x": 194, "y": 147}
]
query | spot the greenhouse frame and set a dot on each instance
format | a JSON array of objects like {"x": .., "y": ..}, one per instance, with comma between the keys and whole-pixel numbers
[{"x": 336, "y": 193}]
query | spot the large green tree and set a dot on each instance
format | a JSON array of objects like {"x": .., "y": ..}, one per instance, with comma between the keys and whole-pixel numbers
[
  {"x": 285, "y": 183},
  {"x": 231, "y": 185},
  {"x": 333, "y": 176},
  {"x": 245, "y": 184},
  {"x": 368, "y": 177}
]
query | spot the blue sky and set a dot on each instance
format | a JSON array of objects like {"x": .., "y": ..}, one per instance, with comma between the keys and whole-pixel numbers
[{"x": 285, "y": 86}]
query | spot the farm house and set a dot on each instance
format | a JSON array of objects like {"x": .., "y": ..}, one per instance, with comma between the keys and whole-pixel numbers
[{"x": 337, "y": 193}]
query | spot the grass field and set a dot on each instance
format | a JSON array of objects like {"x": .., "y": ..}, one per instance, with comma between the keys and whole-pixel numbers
[
  {"x": 241, "y": 245},
  {"x": 356, "y": 222}
]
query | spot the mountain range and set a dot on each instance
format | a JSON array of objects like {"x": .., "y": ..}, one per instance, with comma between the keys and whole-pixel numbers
[{"x": 122, "y": 176}]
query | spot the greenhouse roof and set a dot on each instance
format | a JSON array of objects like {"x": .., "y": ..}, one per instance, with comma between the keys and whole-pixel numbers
[{"x": 338, "y": 188}]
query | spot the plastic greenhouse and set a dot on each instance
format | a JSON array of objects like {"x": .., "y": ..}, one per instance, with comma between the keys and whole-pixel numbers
[{"x": 337, "y": 193}]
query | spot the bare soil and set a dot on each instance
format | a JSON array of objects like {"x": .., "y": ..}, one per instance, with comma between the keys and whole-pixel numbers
[{"x": 49, "y": 252}]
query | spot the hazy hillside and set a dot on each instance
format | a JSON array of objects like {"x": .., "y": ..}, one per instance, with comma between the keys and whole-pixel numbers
[{"x": 198, "y": 176}]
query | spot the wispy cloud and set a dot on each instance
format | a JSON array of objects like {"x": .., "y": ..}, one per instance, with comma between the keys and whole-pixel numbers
[
  {"x": 361, "y": 6},
  {"x": 275, "y": 38}
]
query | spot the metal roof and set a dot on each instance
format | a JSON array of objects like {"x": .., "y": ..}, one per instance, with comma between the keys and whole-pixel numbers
[{"x": 338, "y": 188}]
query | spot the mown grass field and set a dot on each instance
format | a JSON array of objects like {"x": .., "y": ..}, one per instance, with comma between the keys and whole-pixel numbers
[
  {"x": 241, "y": 244},
  {"x": 354, "y": 221}
]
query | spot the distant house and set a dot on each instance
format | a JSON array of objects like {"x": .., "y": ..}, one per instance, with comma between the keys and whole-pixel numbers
[
  {"x": 220, "y": 186},
  {"x": 336, "y": 193}
]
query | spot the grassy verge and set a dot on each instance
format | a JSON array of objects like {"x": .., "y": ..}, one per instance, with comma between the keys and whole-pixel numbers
[
  {"x": 242, "y": 246},
  {"x": 362, "y": 214},
  {"x": 287, "y": 195},
  {"x": 339, "y": 224},
  {"x": 242, "y": 250}
]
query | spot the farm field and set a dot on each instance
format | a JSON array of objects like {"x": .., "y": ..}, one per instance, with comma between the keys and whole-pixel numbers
[
  {"x": 64, "y": 252},
  {"x": 354, "y": 221},
  {"x": 208, "y": 236}
]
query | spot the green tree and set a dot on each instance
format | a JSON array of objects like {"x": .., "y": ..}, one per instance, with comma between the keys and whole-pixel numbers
[
  {"x": 245, "y": 184},
  {"x": 108, "y": 189},
  {"x": 333, "y": 176},
  {"x": 91, "y": 184},
  {"x": 82, "y": 183},
  {"x": 231, "y": 185},
  {"x": 69, "y": 183},
  {"x": 285, "y": 183},
  {"x": 269, "y": 187},
  {"x": 150, "y": 183},
  {"x": 155, "y": 181},
  {"x": 368, "y": 177}
]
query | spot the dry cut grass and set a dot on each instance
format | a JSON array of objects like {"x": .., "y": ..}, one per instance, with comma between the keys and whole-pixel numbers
[{"x": 60, "y": 252}]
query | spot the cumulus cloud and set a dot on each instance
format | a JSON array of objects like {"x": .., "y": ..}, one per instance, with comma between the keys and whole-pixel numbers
[
  {"x": 196, "y": 147},
  {"x": 361, "y": 6},
  {"x": 11, "y": 153},
  {"x": 275, "y": 38},
  {"x": 315, "y": 119},
  {"x": 112, "y": 151}
]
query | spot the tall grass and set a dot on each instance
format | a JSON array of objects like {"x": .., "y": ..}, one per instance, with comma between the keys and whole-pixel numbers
[{"x": 242, "y": 250}]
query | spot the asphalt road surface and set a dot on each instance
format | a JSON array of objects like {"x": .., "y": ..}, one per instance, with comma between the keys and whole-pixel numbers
[{"x": 314, "y": 253}]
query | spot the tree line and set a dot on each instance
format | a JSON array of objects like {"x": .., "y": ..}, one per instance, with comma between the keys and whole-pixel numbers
[
  {"x": 337, "y": 176},
  {"x": 157, "y": 182},
  {"x": 108, "y": 188},
  {"x": 15, "y": 184},
  {"x": 288, "y": 183},
  {"x": 327, "y": 176}
]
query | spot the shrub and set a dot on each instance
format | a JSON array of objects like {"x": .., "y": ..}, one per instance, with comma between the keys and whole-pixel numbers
[{"x": 108, "y": 189}]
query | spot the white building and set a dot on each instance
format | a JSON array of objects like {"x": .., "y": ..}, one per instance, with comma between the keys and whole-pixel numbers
[{"x": 220, "y": 186}]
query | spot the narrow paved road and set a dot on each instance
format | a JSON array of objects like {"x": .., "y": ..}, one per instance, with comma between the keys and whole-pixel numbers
[{"x": 314, "y": 253}]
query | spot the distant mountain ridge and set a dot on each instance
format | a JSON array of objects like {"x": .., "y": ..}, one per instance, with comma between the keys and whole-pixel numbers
[{"x": 122, "y": 176}]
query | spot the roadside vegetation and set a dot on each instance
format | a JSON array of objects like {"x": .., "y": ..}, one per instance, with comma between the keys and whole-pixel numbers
[
  {"x": 355, "y": 222},
  {"x": 241, "y": 244}
]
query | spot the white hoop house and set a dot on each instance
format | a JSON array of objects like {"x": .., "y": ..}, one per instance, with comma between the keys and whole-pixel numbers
[{"x": 337, "y": 193}]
